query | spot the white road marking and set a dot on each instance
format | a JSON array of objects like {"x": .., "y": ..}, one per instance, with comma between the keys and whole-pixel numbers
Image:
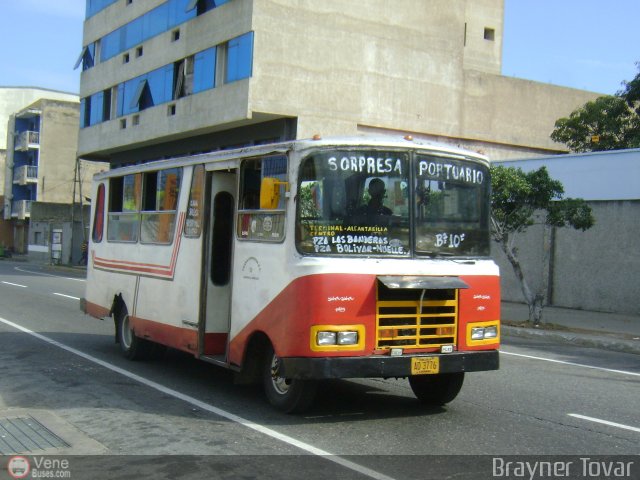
[
  {"x": 209, "y": 408},
  {"x": 562, "y": 362},
  {"x": 15, "y": 284},
  {"x": 604, "y": 422},
  {"x": 49, "y": 275},
  {"x": 66, "y": 296}
]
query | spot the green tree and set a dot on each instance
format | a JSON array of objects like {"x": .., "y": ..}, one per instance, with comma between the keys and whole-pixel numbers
[
  {"x": 520, "y": 200},
  {"x": 609, "y": 122}
]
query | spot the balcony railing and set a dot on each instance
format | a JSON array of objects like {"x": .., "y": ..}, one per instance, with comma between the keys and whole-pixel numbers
[
  {"x": 26, "y": 140},
  {"x": 25, "y": 174},
  {"x": 21, "y": 209}
]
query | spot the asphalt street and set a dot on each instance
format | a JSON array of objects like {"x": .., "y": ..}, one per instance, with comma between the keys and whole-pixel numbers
[{"x": 63, "y": 369}]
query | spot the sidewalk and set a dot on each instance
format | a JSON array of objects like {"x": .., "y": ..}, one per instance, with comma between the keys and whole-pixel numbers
[{"x": 608, "y": 331}]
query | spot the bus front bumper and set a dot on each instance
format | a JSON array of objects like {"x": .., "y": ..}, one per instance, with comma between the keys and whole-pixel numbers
[{"x": 384, "y": 366}]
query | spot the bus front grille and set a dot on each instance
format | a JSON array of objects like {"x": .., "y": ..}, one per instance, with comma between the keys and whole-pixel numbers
[{"x": 411, "y": 319}]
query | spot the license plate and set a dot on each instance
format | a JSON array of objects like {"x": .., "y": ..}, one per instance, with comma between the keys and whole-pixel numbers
[{"x": 425, "y": 365}]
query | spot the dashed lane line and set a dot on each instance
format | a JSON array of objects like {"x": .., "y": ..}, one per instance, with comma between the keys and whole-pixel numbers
[{"x": 604, "y": 422}]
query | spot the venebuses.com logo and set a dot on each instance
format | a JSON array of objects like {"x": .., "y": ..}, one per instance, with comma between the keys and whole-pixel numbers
[
  {"x": 18, "y": 467},
  {"x": 38, "y": 467}
]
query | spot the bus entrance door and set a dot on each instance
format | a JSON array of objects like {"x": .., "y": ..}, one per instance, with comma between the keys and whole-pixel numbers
[{"x": 218, "y": 263}]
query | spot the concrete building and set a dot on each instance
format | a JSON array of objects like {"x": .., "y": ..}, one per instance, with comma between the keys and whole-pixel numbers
[
  {"x": 592, "y": 270},
  {"x": 14, "y": 99},
  {"x": 170, "y": 77},
  {"x": 40, "y": 165}
]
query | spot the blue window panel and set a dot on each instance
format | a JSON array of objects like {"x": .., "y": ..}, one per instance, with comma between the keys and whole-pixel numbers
[
  {"x": 178, "y": 12},
  {"x": 133, "y": 33},
  {"x": 204, "y": 70},
  {"x": 160, "y": 83},
  {"x": 20, "y": 192},
  {"x": 120, "y": 101},
  {"x": 89, "y": 56},
  {"x": 95, "y": 108},
  {"x": 94, "y": 6},
  {"x": 126, "y": 92},
  {"x": 112, "y": 44},
  {"x": 86, "y": 57},
  {"x": 239, "y": 58},
  {"x": 155, "y": 22},
  {"x": 220, "y": 2},
  {"x": 83, "y": 109}
]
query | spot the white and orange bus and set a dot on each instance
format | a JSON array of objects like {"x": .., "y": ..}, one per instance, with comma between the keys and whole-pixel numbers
[{"x": 294, "y": 262}]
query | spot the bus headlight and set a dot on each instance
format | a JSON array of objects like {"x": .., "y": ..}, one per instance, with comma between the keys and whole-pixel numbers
[
  {"x": 485, "y": 332},
  {"x": 477, "y": 333},
  {"x": 326, "y": 338},
  {"x": 490, "y": 332},
  {"x": 336, "y": 338},
  {"x": 347, "y": 338}
]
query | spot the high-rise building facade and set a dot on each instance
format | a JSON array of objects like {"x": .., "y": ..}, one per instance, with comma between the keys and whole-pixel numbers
[{"x": 162, "y": 78}]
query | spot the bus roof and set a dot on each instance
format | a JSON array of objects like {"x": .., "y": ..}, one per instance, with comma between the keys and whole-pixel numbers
[{"x": 391, "y": 142}]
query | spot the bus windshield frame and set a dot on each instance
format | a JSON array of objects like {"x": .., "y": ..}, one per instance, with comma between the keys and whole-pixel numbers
[{"x": 391, "y": 203}]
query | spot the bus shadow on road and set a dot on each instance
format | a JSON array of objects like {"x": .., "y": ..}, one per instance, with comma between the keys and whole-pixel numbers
[{"x": 367, "y": 400}]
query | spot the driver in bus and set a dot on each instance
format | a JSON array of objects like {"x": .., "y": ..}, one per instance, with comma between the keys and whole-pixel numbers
[{"x": 377, "y": 192}]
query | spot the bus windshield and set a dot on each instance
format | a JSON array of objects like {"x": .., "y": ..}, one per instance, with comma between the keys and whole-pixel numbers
[
  {"x": 452, "y": 207},
  {"x": 365, "y": 203}
]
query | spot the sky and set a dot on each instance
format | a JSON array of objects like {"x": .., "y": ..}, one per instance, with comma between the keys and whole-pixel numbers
[{"x": 586, "y": 44}]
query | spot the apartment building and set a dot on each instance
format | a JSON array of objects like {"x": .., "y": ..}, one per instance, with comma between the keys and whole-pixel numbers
[
  {"x": 14, "y": 99},
  {"x": 40, "y": 165},
  {"x": 162, "y": 78}
]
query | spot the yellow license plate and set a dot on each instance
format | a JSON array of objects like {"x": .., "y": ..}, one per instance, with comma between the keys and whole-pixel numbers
[{"x": 425, "y": 365}]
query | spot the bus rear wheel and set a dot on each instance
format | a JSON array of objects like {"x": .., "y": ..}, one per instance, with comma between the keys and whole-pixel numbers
[
  {"x": 132, "y": 346},
  {"x": 436, "y": 390},
  {"x": 286, "y": 394}
]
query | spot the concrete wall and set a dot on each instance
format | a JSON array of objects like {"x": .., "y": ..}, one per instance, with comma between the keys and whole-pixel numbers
[
  {"x": 6, "y": 229},
  {"x": 58, "y": 143},
  {"x": 49, "y": 217},
  {"x": 592, "y": 270}
]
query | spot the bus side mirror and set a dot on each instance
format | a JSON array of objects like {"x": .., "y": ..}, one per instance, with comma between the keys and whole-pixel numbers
[{"x": 270, "y": 193}]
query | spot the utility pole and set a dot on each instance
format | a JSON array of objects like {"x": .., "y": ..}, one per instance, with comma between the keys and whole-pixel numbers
[{"x": 73, "y": 207}]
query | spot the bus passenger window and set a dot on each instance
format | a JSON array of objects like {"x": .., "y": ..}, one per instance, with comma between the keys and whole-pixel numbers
[
  {"x": 98, "y": 219},
  {"x": 160, "y": 203},
  {"x": 123, "y": 223},
  {"x": 255, "y": 223}
]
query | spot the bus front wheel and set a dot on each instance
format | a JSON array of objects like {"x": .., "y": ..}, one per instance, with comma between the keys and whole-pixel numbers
[
  {"x": 285, "y": 394},
  {"x": 436, "y": 390}
]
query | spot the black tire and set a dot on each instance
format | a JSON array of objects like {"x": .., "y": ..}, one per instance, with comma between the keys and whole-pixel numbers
[
  {"x": 131, "y": 346},
  {"x": 286, "y": 395},
  {"x": 436, "y": 390}
]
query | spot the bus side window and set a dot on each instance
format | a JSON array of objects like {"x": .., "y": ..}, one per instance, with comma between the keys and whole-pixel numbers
[
  {"x": 255, "y": 223},
  {"x": 98, "y": 219},
  {"x": 123, "y": 223},
  {"x": 159, "y": 206}
]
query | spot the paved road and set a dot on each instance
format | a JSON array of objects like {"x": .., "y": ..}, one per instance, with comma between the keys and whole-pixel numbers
[{"x": 63, "y": 368}]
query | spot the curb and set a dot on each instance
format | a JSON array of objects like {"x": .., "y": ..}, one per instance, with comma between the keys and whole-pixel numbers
[{"x": 604, "y": 341}]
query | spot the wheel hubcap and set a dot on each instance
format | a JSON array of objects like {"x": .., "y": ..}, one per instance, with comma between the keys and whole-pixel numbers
[
  {"x": 280, "y": 384},
  {"x": 127, "y": 333}
]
